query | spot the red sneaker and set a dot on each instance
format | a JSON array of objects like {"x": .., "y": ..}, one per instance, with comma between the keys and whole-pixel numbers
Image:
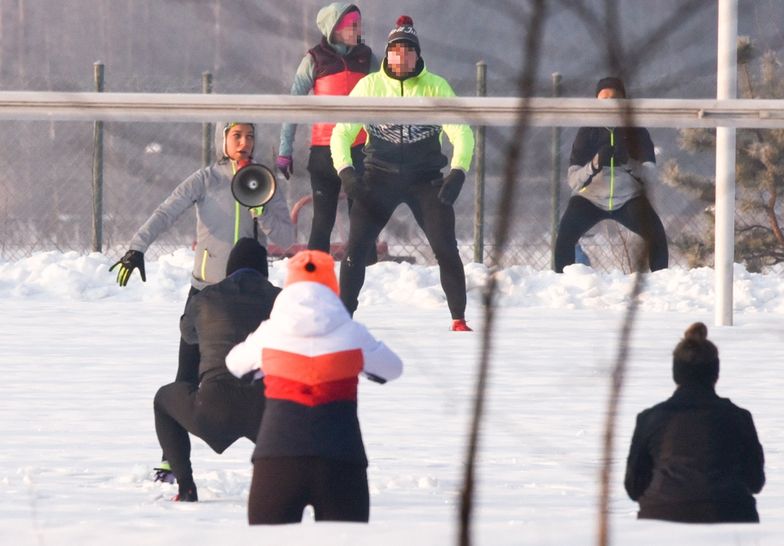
[{"x": 459, "y": 325}]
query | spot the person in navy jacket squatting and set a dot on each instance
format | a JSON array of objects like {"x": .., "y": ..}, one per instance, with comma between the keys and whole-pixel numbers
[
  {"x": 310, "y": 353},
  {"x": 609, "y": 171}
]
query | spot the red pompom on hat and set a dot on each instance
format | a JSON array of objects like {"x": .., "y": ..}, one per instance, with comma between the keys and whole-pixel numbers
[
  {"x": 313, "y": 266},
  {"x": 404, "y": 32}
]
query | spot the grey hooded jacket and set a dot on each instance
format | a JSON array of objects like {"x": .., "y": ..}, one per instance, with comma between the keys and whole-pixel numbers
[{"x": 220, "y": 220}]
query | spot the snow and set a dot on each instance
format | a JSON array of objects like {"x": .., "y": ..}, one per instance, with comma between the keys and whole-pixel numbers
[{"x": 82, "y": 359}]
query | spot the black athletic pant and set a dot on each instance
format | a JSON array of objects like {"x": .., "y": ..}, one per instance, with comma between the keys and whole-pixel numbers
[
  {"x": 189, "y": 356},
  {"x": 283, "y": 486},
  {"x": 219, "y": 411},
  {"x": 636, "y": 214},
  {"x": 325, "y": 184},
  {"x": 369, "y": 216}
]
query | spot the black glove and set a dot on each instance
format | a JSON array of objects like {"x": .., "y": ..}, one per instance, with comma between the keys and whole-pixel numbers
[
  {"x": 607, "y": 152},
  {"x": 604, "y": 155},
  {"x": 374, "y": 378},
  {"x": 252, "y": 377},
  {"x": 353, "y": 185},
  {"x": 450, "y": 186},
  {"x": 129, "y": 262}
]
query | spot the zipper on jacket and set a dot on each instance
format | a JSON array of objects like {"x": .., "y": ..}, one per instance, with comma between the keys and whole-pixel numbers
[
  {"x": 204, "y": 256},
  {"x": 400, "y": 146},
  {"x": 612, "y": 170},
  {"x": 236, "y": 208}
]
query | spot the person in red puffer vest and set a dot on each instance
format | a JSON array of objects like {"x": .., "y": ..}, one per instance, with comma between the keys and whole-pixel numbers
[
  {"x": 331, "y": 67},
  {"x": 310, "y": 354}
]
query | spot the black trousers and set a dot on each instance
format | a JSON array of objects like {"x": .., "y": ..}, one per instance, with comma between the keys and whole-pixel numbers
[
  {"x": 636, "y": 214},
  {"x": 283, "y": 486},
  {"x": 369, "y": 215},
  {"x": 219, "y": 411},
  {"x": 325, "y": 184}
]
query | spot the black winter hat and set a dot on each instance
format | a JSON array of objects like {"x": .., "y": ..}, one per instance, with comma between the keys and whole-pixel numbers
[
  {"x": 611, "y": 82},
  {"x": 404, "y": 32},
  {"x": 247, "y": 253},
  {"x": 695, "y": 359}
]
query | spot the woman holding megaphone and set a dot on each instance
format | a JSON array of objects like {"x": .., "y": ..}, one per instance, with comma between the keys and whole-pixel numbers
[{"x": 220, "y": 221}]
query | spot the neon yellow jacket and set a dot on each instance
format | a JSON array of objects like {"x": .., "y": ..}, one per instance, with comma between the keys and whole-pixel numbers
[{"x": 403, "y": 148}]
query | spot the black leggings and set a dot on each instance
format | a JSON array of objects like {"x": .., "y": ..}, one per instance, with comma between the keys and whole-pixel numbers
[
  {"x": 325, "y": 184},
  {"x": 219, "y": 411},
  {"x": 636, "y": 214},
  {"x": 283, "y": 486},
  {"x": 369, "y": 216}
]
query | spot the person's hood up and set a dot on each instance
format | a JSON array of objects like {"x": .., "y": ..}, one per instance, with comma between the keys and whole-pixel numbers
[
  {"x": 329, "y": 16},
  {"x": 308, "y": 309},
  {"x": 219, "y": 138}
]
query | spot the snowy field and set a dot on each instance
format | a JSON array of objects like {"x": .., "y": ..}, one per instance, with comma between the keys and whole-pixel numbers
[{"x": 82, "y": 359}]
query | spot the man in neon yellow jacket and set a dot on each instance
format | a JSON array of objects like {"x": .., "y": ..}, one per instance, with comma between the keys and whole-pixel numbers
[{"x": 403, "y": 165}]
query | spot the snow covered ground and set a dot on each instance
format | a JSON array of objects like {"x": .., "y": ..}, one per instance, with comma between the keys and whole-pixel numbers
[{"x": 82, "y": 358}]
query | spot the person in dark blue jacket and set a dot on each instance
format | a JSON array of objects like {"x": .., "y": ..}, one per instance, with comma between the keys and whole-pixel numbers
[
  {"x": 610, "y": 171},
  {"x": 695, "y": 458},
  {"x": 221, "y": 408}
]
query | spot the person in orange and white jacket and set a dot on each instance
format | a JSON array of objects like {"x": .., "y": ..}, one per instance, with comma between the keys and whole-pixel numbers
[{"x": 310, "y": 354}]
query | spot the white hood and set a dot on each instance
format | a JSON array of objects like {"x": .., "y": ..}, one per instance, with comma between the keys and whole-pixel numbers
[{"x": 308, "y": 309}]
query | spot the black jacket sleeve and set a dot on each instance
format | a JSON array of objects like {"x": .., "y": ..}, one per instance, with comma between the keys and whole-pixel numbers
[
  {"x": 639, "y": 144},
  {"x": 584, "y": 146},
  {"x": 639, "y": 464},
  {"x": 754, "y": 459},
  {"x": 188, "y": 322}
]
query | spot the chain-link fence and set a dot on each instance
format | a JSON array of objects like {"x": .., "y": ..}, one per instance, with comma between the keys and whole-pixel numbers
[
  {"x": 47, "y": 198},
  {"x": 46, "y": 174}
]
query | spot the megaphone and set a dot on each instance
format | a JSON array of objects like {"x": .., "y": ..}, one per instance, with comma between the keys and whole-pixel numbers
[{"x": 253, "y": 185}]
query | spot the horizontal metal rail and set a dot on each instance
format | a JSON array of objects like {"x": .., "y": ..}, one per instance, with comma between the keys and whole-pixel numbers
[{"x": 498, "y": 111}]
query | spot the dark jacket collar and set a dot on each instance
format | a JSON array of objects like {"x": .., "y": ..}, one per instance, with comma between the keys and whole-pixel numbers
[{"x": 694, "y": 391}]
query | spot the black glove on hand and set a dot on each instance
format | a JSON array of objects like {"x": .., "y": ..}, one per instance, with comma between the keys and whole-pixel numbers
[
  {"x": 451, "y": 186},
  {"x": 375, "y": 378},
  {"x": 604, "y": 155},
  {"x": 607, "y": 152},
  {"x": 353, "y": 185},
  {"x": 129, "y": 262}
]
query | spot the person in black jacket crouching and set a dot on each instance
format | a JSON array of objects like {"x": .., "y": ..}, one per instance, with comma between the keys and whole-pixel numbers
[
  {"x": 695, "y": 458},
  {"x": 222, "y": 408}
]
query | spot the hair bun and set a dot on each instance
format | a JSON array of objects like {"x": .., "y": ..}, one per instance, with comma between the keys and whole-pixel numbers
[
  {"x": 404, "y": 21},
  {"x": 696, "y": 332}
]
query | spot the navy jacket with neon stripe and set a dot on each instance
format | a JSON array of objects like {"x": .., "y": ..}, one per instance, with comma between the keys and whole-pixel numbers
[{"x": 611, "y": 187}]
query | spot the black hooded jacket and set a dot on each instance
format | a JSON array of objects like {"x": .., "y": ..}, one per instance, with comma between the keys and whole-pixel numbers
[
  {"x": 695, "y": 458},
  {"x": 223, "y": 314}
]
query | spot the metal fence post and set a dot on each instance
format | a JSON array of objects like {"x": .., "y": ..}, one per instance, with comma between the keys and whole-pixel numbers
[
  {"x": 555, "y": 174},
  {"x": 206, "y": 128},
  {"x": 98, "y": 76},
  {"x": 479, "y": 196}
]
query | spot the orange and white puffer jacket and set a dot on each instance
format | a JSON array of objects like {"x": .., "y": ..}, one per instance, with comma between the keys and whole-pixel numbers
[{"x": 310, "y": 354}]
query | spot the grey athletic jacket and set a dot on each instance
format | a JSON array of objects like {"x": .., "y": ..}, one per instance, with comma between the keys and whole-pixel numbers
[{"x": 220, "y": 221}]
